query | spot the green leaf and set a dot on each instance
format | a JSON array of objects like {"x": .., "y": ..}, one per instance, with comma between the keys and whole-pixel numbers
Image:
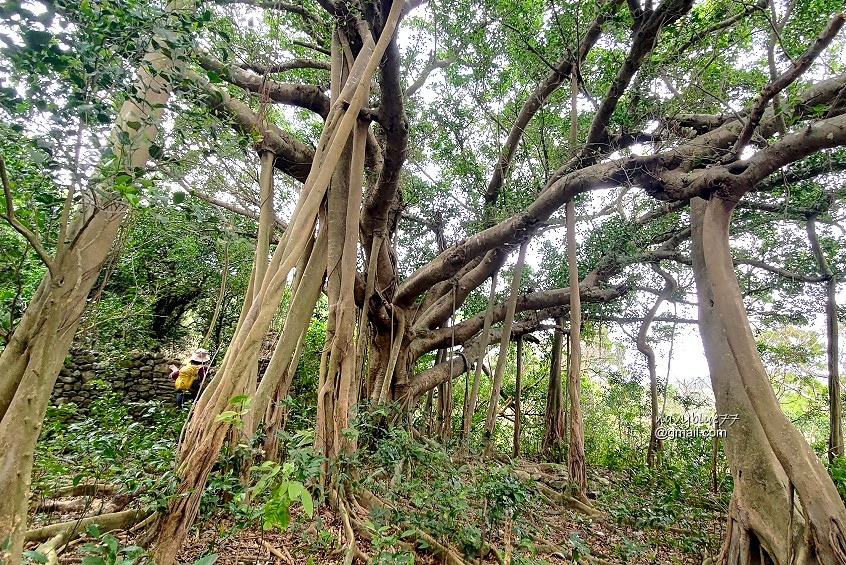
[
  {"x": 240, "y": 400},
  {"x": 93, "y": 560},
  {"x": 112, "y": 542},
  {"x": 206, "y": 559},
  {"x": 178, "y": 197},
  {"x": 214, "y": 77},
  {"x": 93, "y": 530},
  {"x": 308, "y": 503},
  {"x": 295, "y": 489},
  {"x": 228, "y": 416},
  {"x": 36, "y": 556}
]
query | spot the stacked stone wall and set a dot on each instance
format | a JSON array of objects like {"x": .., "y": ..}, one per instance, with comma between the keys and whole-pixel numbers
[{"x": 137, "y": 377}]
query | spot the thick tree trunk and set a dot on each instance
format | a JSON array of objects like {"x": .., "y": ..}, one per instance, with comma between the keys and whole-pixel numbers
[
  {"x": 207, "y": 432},
  {"x": 30, "y": 363},
  {"x": 555, "y": 421},
  {"x": 770, "y": 461}
]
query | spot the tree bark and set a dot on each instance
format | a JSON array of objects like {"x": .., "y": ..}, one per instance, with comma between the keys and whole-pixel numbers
[
  {"x": 30, "y": 363},
  {"x": 768, "y": 457},
  {"x": 554, "y": 420},
  {"x": 490, "y": 420}
]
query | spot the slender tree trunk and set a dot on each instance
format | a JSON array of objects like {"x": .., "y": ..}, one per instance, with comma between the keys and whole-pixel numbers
[
  {"x": 646, "y": 349},
  {"x": 490, "y": 420},
  {"x": 833, "y": 353},
  {"x": 517, "y": 393},
  {"x": 576, "y": 452},
  {"x": 784, "y": 505},
  {"x": 267, "y": 219},
  {"x": 835, "y": 404},
  {"x": 30, "y": 363},
  {"x": 555, "y": 420},
  {"x": 470, "y": 404}
]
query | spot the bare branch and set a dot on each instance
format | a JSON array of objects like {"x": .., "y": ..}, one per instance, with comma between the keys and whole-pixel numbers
[
  {"x": 298, "y": 9},
  {"x": 644, "y": 42},
  {"x": 710, "y": 31},
  {"x": 312, "y": 46},
  {"x": 421, "y": 80},
  {"x": 293, "y": 157},
  {"x": 561, "y": 71},
  {"x": 779, "y": 271},
  {"x": 303, "y": 95}
]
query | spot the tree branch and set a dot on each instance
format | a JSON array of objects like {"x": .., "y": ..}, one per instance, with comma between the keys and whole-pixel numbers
[
  {"x": 287, "y": 66},
  {"x": 782, "y": 82},
  {"x": 298, "y": 9},
  {"x": 779, "y": 271},
  {"x": 561, "y": 71},
  {"x": 421, "y": 80},
  {"x": 33, "y": 240},
  {"x": 305, "y": 96}
]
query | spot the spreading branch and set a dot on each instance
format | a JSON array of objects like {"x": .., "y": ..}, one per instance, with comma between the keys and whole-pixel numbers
[{"x": 783, "y": 81}]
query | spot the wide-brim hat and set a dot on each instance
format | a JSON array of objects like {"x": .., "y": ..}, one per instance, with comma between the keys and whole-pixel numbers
[{"x": 200, "y": 355}]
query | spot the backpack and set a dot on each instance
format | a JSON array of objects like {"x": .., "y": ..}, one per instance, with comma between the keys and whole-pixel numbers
[{"x": 187, "y": 375}]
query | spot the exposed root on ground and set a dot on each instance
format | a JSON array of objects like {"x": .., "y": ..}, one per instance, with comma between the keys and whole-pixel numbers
[
  {"x": 449, "y": 556},
  {"x": 83, "y": 489},
  {"x": 353, "y": 552},
  {"x": 71, "y": 529},
  {"x": 558, "y": 497}
]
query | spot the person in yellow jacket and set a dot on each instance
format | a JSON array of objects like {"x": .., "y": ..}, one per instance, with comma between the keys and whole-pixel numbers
[{"x": 187, "y": 379}]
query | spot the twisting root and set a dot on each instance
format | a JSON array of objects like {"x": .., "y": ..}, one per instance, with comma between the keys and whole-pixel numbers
[
  {"x": 352, "y": 551},
  {"x": 569, "y": 501}
]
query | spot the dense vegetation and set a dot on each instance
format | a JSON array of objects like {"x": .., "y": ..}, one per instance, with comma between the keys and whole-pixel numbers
[{"x": 454, "y": 262}]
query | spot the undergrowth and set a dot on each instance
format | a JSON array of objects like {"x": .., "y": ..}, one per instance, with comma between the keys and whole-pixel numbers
[{"x": 473, "y": 506}]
